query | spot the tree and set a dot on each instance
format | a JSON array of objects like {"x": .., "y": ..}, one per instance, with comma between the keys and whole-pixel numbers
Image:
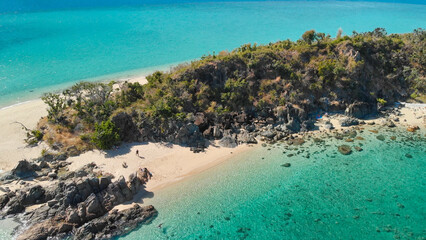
[
  {"x": 309, "y": 36},
  {"x": 56, "y": 105},
  {"x": 105, "y": 135}
]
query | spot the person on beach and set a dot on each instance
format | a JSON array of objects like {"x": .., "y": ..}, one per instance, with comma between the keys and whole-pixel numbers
[{"x": 137, "y": 153}]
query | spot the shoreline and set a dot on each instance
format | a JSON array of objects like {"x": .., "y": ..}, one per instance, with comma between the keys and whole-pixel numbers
[{"x": 130, "y": 75}]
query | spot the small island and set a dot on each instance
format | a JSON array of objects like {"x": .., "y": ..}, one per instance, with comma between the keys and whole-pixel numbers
[{"x": 253, "y": 94}]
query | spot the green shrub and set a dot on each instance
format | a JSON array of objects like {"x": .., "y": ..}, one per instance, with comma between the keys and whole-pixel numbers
[
  {"x": 56, "y": 105},
  {"x": 33, "y": 137},
  {"x": 105, "y": 135},
  {"x": 381, "y": 101},
  {"x": 414, "y": 95}
]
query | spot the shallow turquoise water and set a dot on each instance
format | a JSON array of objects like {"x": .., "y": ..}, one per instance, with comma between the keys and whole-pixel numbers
[
  {"x": 378, "y": 193},
  {"x": 50, "y": 49}
]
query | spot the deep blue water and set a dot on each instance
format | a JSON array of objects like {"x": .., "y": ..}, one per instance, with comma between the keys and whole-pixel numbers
[{"x": 46, "y": 44}]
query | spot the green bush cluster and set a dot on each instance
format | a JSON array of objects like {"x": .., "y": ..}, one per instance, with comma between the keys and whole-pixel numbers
[{"x": 105, "y": 135}]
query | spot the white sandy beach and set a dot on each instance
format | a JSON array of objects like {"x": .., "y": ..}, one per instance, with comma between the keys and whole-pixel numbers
[{"x": 12, "y": 145}]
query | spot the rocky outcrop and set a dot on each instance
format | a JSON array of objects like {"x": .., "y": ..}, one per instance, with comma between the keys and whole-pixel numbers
[
  {"x": 348, "y": 121},
  {"x": 190, "y": 135},
  {"x": 228, "y": 142},
  {"x": 389, "y": 123},
  {"x": 115, "y": 223},
  {"x": 246, "y": 137},
  {"x": 360, "y": 110},
  {"x": 78, "y": 199},
  {"x": 25, "y": 169},
  {"x": 127, "y": 129}
]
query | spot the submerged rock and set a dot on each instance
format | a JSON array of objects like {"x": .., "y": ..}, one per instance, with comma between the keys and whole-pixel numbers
[
  {"x": 413, "y": 128},
  {"x": 380, "y": 137},
  {"x": 359, "y": 149},
  {"x": 345, "y": 149},
  {"x": 296, "y": 141}
]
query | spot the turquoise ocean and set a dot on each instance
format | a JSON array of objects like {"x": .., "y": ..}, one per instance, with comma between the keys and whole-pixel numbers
[
  {"x": 378, "y": 193},
  {"x": 47, "y": 45}
]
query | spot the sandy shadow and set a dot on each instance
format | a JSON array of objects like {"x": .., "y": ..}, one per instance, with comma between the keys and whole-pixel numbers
[
  {"x": 126, "y": 148},
  {"x": 122, "y": 149}
]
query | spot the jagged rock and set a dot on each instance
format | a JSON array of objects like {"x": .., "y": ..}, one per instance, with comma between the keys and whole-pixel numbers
[
  {"x": 389, "y": 123},
  {"x": 228, "y": 142},
  {"x": 25, "y": 169},
  {"x": 75, "y": 202},
  {"x": 268, "y": 134},
  {"x": 43, "y": 230},
  {"x": 115, "y": 223},
  {"x": 104, "y": 182},
  {"x": 93, "y": 207},
  {"x": 4, "y": 199},
  {"x": 360, "y": 109},
  {"x": 190, "y": 135},
  {"x": 127, "y": 129},
  {"x": 250, "y": 128},
  {"x": 345, "y": 149},
  {"x": 52, "y": 175},
  {"x": 217, "y": 132},
  {"x": 293, "y": 125},
  {"x": 246, "y": 137},
  {"x": 307, "y": 125},
  {"x": 348, "y": 121}
]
